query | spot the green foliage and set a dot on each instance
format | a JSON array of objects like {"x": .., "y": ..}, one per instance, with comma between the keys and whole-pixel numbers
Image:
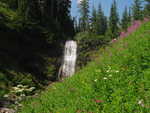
[
  {"x": 117, "y": 82},
  {"x": 137, "y": 10},
  {"x": 6, "y": 14},
  {"x": 88, "y": 43},
  {"x": 84, "y": 12},
  {"x": 93, "y": 20},
  {"x": 147, "y": 8},
  {"x": 13, "y": 4},
  {"x": 31, "y": 33},
  {"x": 101, "y": 22},
  {"x": 125, "y": 20},
  {"x": 114, "y": 21}
]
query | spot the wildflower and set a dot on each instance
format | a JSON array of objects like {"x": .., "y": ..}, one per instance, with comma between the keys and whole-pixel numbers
[
  {"x": 140, "y": 102},
  {"x": 30, "y": 89},
  {"x": 95, "y": 80},
  {"x": 20, "y": 90},
  {"x": 117, "y": 71},
  {"x": 6, "y": 96},
  {"x": 15, "y": 88},
  {"x": 98, "y": 101},
  {"x": 20, "y": 85},
  {"x": 108, "y": 71},
  {"x": 105, "y": 78},
  {"x": 22, "y": 95},
  {"x": 110, "y": 75}
]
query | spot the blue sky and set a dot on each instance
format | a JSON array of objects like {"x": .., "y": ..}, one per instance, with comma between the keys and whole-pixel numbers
[{"x": 106, "y": 4}]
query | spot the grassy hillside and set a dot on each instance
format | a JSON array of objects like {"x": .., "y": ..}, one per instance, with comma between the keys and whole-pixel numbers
[{"x": 117, "y": 82}]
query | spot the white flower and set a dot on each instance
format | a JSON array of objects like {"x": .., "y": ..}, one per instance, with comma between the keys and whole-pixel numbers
[
  {"x": 140, "y": 102},
  {"x": 20, "y": 90},
  {"x": 108, "y": 71},
  {"x": 95, "y": 80},
  {"x": 117, "y": 71},
  {"x": 16, "y": 88},
  {"x": 6, "y": 96},
  {"x": 20, "y": 85},
  {"x": 110, "y": 75},
  {"x": 105, "y": 78},
  {"x": 22, "y": 95},
  {"x": 30, "y": 89}
]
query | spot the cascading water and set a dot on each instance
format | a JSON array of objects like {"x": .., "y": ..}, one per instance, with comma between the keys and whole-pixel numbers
[{"x": 69, "y": 60}]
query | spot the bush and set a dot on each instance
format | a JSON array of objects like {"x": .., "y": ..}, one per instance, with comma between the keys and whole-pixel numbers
[{"x": 87, "y": 44}]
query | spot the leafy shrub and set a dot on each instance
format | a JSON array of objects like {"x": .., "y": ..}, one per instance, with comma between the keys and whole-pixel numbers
[{"x": 87, "y": 44}]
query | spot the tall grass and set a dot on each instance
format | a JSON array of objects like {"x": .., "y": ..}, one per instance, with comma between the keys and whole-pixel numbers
[{"x": 116, "y": 82}]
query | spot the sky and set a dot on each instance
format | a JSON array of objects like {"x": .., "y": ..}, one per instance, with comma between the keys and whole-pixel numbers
[{"x": 106, "y": 5}]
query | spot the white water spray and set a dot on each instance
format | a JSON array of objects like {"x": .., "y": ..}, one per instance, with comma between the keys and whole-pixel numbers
[{"x": 69, "y": 60}]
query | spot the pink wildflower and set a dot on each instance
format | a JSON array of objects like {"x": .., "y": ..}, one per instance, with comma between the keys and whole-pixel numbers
[{"x": 99, "y": 101}]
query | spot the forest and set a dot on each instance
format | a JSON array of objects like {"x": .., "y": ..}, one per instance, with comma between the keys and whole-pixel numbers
[{"x": 33, "y": 34}]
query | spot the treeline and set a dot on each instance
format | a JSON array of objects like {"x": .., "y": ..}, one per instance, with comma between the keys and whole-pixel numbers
[
  {"x": 97, "y": 22},
  {"x": 95, "y": 30},
  {"x": 45, "y": 13}
]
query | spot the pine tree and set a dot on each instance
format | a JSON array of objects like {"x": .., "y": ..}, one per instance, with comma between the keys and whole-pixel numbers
[
  {"x": 125, "y": 19},
  {"x": 137, "y": 10},
  {"x": 94, "y": 20},
  {"x": 84, "y": 13},
  {"x": 101, "y": 22},
  {"x": 13, "y": 4},
  {"x": 129, "y": 15},
  {"x": 105, "y": 25},
  {"x": 113, "y": 21},
  {"x": 147, "y": 8},
  {"x": 22, "y": 8}
]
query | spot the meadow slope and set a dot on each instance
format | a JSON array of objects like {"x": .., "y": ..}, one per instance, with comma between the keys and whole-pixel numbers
[{"x": 116, "y": 82}]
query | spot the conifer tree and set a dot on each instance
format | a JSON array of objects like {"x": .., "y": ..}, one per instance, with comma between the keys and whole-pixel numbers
[
  {"x": 22, "y": 8},
  {"x": 113, "y": 21},
  {"x": 125, "y": 19},
  {"x": 129, "y": 16},
  {"x": 94, "y": 20},
  {"x": 137, "y": 10},
  {"x": 101, "y": 22},
  {"x": 84, "y": 13},
  {"x": 147, "y": 8}
]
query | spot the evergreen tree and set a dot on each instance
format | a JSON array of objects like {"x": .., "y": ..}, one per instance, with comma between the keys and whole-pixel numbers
[
  {"x": 129, "y": 16},
  {"x": 147, "y": 8},
  {"x": 22, "y": 8},
  {"x": 13, "y": 4},
  {"x": 84, "y": 13},
  {"x": 101, "y": 22},
  {"x": 137, "y": 10},
  {"x": 125, "y": 19},
  {"x": 105, "y": 25},
  {"x": 94, "y": 20},
  {"x": 113, "y": 21},
  {"x": 76, "y": 27}
]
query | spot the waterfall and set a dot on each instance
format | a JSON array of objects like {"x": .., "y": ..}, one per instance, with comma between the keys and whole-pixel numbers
[{"x": 69, "y": 60}]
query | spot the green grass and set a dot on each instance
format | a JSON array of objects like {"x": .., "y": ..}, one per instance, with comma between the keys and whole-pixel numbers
[{"x": 116, "y": 82}]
